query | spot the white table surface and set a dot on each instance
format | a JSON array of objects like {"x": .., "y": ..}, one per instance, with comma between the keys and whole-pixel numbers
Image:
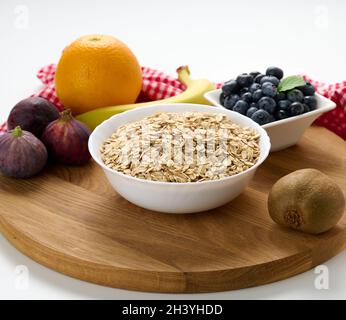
[{"x": 217, "y": 39}]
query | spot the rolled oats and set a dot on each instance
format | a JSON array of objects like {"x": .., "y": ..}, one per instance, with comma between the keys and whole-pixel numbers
[{"x": 181, "y": 147}]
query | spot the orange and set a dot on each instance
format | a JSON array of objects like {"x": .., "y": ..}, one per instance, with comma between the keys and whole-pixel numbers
[{"x": 97, "y": 71}]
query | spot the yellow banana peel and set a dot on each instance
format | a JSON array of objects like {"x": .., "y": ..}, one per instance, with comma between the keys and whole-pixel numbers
[{"x": 194, "y": 93}]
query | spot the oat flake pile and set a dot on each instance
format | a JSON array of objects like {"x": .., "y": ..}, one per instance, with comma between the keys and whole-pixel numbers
[{"x": 181, "y": 147}]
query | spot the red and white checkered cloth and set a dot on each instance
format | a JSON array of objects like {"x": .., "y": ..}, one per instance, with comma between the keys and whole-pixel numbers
[
  {"x": 334, "y": 120},
  {"x": 157, "y": 85}
]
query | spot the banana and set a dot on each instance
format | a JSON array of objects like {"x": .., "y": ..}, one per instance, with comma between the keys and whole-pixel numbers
[{"x": 194, "y": 93}]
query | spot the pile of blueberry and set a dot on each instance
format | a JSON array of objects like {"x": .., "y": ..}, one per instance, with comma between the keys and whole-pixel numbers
[{"x": 256, "y": 95}]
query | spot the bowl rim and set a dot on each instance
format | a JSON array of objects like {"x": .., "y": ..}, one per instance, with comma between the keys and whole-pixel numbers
[
  {"x": 320, "y": 109},
  {"x": 258, "y": 128}
]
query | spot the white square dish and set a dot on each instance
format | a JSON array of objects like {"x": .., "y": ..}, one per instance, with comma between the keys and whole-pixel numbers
[{"x": 287, "y": 132}]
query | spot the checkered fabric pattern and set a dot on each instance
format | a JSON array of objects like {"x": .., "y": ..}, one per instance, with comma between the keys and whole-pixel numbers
[
  {"x": 334, "y": 120},
  {"x": 158, "y": 85}
]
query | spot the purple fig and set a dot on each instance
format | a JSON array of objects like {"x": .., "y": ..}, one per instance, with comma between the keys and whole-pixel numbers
[
  {"x": 66, "y": 140},
  {"x": 22, "y": 155},
  {"x": 32, "y": 114}
]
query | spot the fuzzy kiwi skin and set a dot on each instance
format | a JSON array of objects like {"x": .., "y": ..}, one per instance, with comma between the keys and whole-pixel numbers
[{"x": 306, "y": 200}]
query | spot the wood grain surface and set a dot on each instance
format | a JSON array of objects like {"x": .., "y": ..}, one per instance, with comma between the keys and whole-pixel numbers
[{"x": 71, "y": 220}]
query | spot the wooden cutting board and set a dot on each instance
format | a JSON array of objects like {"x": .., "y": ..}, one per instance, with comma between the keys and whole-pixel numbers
[{"x": 71, "y": 220}]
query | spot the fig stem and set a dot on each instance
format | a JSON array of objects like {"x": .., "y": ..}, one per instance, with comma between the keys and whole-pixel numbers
[
  {"x": 66, "y": 115},
  {"x": 17, "y": 132}
]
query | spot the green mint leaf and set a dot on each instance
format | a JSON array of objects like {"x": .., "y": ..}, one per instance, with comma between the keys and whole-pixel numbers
[{"x": 290, "y": 82}]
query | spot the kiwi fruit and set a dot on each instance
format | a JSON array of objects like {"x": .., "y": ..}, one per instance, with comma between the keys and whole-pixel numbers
[{"x": 306, "y": 200}]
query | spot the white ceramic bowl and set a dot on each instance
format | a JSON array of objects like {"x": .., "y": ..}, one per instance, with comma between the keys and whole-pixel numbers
[
  {"x": 175, "y": 197},
  {"x": 285, "y": 133}
]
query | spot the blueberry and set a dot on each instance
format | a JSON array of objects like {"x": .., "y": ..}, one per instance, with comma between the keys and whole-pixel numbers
[
  {"x": 284, "y": 104},
  {"x": 268, "y": 104},
  {"x": 306, "y": 108},
  {"x": 311, "y": 102},
  {"x": 254, "y": 105},
  {"x": 241, "y": 107},
  {"x": 275, "y": 71},
  {"x": 258, "y": 78},
  {"x": 281, "y": 114},
  {"x": 254, "y": 73},
  {"x": 295, "y": 95},
  {"x": 308, "y": 89},
  {"x": 296, "y": 108},
  {"x": 245, "y": 80},
  {"x": 257, "y": 95},
  {"x": 243, "y": 90},
  {"x": 247, "y": 96},
  {"x": 271, "y": 118},
  {"x": 222, "y": 99},
  {"x": 280, "y": 96},
  {"x": 230, "y": 87},
  {"x": 274, "y": 80},
  {"x": 230, "y": 101},
  {"x": 254, "y": 87},
  {"x": 261, "y": 117},
  {"x": 251, "y": 111},
  {"x": 269, "y": 89}
]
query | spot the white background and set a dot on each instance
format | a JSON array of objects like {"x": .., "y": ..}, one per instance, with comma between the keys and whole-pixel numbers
[{"x": 218, "y": 40}]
